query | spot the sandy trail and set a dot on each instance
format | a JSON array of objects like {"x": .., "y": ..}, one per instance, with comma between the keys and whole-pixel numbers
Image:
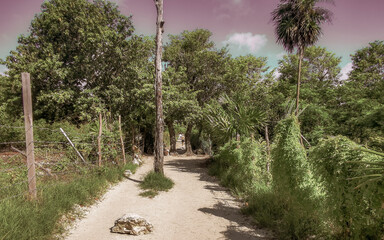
[{"x": 196, "y": 208}]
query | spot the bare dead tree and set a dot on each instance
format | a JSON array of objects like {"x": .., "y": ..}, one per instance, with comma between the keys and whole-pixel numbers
[{"x": 159, "y": 140}]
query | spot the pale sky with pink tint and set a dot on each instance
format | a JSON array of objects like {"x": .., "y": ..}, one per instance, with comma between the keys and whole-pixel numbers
[{"x": 242, "y": 24}]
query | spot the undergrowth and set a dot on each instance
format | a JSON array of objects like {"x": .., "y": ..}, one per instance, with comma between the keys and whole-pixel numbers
[
  {"x": 153, "y": 183},
  {"x": 22, "y": 219},
  {"x": 335, "y": 192}
]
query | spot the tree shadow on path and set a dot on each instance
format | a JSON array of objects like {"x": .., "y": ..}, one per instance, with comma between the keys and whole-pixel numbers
[{"x": 226, "y": 207}]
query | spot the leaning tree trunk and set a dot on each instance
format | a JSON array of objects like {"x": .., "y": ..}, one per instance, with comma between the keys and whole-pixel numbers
[
  {"x": 188, "y": 144},
  {"x": 172, "y": 136},
  {"x": 300, "y": 54},
  {"x": 159, "y": 141}
]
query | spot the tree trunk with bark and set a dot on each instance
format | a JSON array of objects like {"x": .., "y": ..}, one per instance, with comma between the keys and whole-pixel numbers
[
  {"x": 238, "y": 140},
  {"x": 268, "y": 148},
  {"x": 300, "y": 54},
  {"x": 172, "y": 136},
  {"x": 159, "y": 141},
  {"x": 188, "y": 144}
]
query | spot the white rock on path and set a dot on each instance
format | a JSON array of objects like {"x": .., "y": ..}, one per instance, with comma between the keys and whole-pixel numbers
[{"x": 132, "y": 224}]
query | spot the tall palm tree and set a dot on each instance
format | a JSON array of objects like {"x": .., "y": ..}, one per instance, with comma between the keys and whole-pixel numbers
[{"x": 297, "y": 25}]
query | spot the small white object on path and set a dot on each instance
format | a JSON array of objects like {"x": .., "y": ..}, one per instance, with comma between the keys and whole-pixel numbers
[{"x": 197, "y": 207}]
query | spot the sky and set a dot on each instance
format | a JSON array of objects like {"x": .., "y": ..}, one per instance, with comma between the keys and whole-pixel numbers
[{"x": 243, "y": 25}]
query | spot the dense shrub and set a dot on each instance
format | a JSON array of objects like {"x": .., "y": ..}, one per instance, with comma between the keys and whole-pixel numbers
[
  {"x": 241, "y": 166},
  {"x": 7, "y": 131},
  {"x": 289, "y": 167},
  {"x": 355, "y": 212},
  {"x": 293, "y": 191}
]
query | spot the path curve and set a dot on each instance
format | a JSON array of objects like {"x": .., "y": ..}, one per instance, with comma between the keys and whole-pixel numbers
[{"x": 196, "y": 208}]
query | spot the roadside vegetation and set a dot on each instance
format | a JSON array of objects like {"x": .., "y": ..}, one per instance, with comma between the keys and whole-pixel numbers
[
  {"x": 310, "y": 168},
  {"x": 23, "y": 219}
]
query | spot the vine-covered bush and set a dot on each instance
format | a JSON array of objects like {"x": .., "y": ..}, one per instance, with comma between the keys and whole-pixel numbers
[
  {"x": 354, "y": 211},
  {"x": 292, "y": 186},
  {"x": 289, "y": 167},
  {"x": 241, "y": 166}
]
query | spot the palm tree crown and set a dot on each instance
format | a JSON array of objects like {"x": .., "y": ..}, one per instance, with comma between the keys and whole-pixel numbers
[
  {"x": 297, "y": 25},
  {"x": 298, "y": 22}
]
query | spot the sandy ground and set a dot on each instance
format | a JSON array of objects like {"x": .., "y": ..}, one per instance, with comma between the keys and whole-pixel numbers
[{"x": 196, "y": 208}]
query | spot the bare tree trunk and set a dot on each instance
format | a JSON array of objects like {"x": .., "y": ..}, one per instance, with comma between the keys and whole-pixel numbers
[
  {"x": 238, "y": 139},
  {"x": 268, "y": 148},
  {"x": 172, "y": 136},
  {"x": 133, "y": 141},
  {"x": 159, "y": 141},
  {"x": 300, "y": 53},
  {"x": 188, "y": 145}
]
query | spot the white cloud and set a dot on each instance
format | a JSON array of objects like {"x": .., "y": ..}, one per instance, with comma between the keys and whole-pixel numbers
[
  {"x": 246, "y": 42},
  {"x": 345, "y": 71}
]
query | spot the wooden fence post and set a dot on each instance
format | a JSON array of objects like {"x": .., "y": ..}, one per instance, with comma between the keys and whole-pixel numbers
[
  {"x": 28, "y": 123},
  {"x": 122, "y": 141},
  {"x": 99, "y": 138}
]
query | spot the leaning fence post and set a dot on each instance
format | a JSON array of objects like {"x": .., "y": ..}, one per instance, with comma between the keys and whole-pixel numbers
[
  {"x": 28, "y": 123},
  {"x": 99, "y": 138},
  {"x": 122, "y": 141},
  {"x": 73, "y": 145}
]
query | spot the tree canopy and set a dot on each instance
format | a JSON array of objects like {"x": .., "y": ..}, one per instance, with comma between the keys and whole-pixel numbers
[{"x": 76, "y": 50}]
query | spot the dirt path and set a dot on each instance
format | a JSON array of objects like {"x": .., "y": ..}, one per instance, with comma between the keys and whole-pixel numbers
[{"x": 196, "y": 208}]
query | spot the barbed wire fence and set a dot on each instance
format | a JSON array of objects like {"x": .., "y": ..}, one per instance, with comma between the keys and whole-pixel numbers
[{"x": 29, "y": 161}]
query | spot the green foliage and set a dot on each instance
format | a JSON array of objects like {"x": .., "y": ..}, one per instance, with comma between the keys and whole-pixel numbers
[
  {"x": 320, "y": 69},
  {"x": 83, "y": 58},
  {"x": 21, "y": 219},
  {"x": 193, "y": 54},
  {"x": 318, "y": 92},
  {"x": 9, "y": 134},
  {"x": 373, "y": 171},
  {"x": 241, "y": 166},
  {"x": 367, "y": 70},
  {"x": 84, "y": 137},
  {"x": 179, "y": 100},
  {"x": 154, "y": 182},
  {"x": 361, "y": 105},
  {"x": 293, "y": 190},
  {"x": 289, "y": 166},
  {"x": 230, "y": 116},
  {"x": 290, "y": 217},
  {"x": 355, "y": 212}
]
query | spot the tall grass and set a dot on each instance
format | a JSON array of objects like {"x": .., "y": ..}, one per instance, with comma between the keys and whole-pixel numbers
[
  {"x": 154, "y": 182},
  {"x": 23, "y": 219}
]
